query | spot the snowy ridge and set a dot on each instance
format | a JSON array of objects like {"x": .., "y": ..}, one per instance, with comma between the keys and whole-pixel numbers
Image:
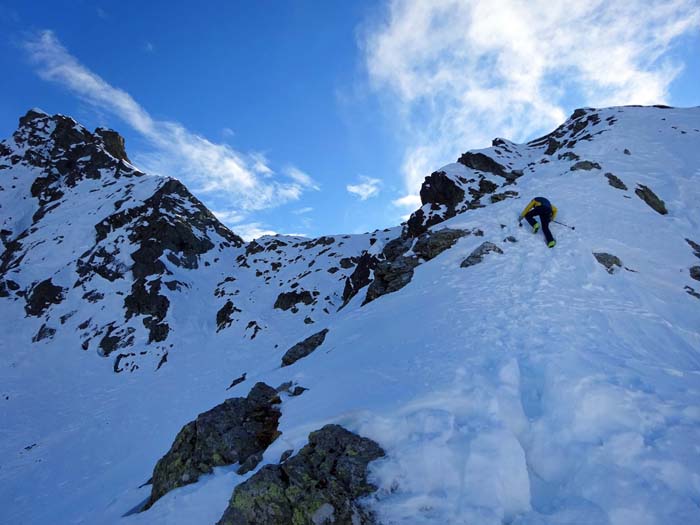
[{"x": 535, "y": 387}]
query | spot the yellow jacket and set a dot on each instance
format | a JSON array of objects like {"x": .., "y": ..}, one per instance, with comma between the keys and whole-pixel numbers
[{"x": 534, "y": 203}]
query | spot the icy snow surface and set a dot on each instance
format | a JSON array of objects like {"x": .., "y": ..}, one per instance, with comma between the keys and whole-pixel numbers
[{"x": 533, "y": 388}]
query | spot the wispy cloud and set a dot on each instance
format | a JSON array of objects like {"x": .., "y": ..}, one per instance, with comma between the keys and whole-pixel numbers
[
  {"x": 149, "y": 47},
  {"x": 303, "y": 211},
  {"x": 243, "y": 181},
  {"x": 366, "y": 188},
  {"x": 304, "y": 179},
  {"x": 463, "y": 71}
]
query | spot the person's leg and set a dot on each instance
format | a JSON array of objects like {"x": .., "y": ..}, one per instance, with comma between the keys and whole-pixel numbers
[
  {"x": 530, "y": 218},
  {"x": 545, "y": 219}
]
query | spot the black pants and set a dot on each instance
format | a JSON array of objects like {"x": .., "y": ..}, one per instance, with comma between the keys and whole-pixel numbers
[{"x": 545, "y": 215}]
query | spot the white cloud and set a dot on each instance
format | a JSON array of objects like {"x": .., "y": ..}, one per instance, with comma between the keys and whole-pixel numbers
[
  {"x": 252, "y": 230},
  {"x": 366, "y": 188},
  {"x": 407, "y": 201},
  {"x": 463, "y": 71},
  {"x": 149, "y": 47},
  {"x": 210, "y": 168},
  {"x": 302, "y": 211},
  {"x": 302, "y": 178}
]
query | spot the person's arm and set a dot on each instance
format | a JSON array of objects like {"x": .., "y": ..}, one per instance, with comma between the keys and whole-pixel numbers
[
  {"x": 532, "y": 204},
  {"x": 554, "y": 212}
]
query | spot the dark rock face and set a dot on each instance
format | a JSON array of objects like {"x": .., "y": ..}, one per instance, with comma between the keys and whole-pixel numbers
[
  {"x": 113, "y": 143},
  {"x": 396, "y": 270},
  {"x": 648, "y": 196},
  {"x": 287, "y": 300},
  {"x": 481, "y": 162},
  {"x": 609, "y": 261},
  {"x": 224, "y": 317},
  {"x": 615, "y": 182},
  {"x": 437, "y": 190},
  {"x": 360, "y": 277},
  {"x": 585, "y": 165},
  {"x": 304, "y": 348},
  {"x": 236, "y": 431},
  {"x": 321, "y": 484},
  {"x": 478, "y": 255},
  {"x": 432, "y": 244},
  {"x": 695, "y": 272},
  {"x": 390, "y": 276},
  {"x": 42, "y": 296}
]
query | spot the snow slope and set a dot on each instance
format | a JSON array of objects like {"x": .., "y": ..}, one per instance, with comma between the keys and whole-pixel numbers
[{"x": 532, "y": 388}]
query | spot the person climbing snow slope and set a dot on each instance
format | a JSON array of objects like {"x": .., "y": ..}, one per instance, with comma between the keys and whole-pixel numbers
[{"x": 542, "y": 208}]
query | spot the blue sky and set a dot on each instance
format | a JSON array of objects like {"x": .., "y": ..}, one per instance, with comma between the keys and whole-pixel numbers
[{"x": 323, "y": 117}]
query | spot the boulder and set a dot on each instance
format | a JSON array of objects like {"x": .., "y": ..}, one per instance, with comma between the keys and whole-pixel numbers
[
  {"x": 321, "y": 484},
  {"x": 304, "y": 348},
  {"x": 478, "y": 255},
  {"x": 585, "y": 165},
  {"x": 695, "y": 273},
  {"x": 238, "y": 429},
  {"x": 609, "y": 261},
  {"x": 648, "y": 196},
  {"x": 615, "y": 182}
]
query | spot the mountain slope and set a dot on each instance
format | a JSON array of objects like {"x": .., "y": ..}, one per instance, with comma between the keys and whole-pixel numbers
[{"x": 532, "y": 387}]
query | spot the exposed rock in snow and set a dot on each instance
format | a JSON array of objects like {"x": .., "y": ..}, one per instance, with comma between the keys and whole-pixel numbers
[
  {"x": 478, "y": 254},
  {"x": 321, "y": 484},
  {"x": 615, "y": 182},
  {"x": 304, "y": 348},
  {"x": 695, "y": 272},
  {"x": 648, "y": 196},
  {"x": 608, "y": 260},
  {"x": 289, "y": 300},
  {"x": 586, "y": 165},
  {"x": 396, "y": 270},
  {"x": 235, "y": 431}
]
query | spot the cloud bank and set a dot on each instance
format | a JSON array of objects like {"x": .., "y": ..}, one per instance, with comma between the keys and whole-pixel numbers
[
  {"x": 239, "y": 182},
  {"x": 461, "y": 72}
]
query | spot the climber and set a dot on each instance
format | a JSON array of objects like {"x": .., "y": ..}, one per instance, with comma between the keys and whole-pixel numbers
[{"x": 542, "y": 208}]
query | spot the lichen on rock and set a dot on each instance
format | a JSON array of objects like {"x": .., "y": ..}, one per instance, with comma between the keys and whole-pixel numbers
[{"x": 321, "y": 484}]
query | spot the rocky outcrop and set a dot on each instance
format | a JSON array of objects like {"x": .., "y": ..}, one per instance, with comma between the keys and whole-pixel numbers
[
  {"x": 586, "y": 165},
  {"x": 611, "y": 262},
  {"x": 482, "y": 162},
  {"x": 42, "y": 296},
  {"x": 224, "y": 317},
  {"x": 113, "y": 143},
  {"x": 615, "y": 182},
  {"x": 396, "y": 269},
  {"x": 360, "y": 277},
  {"x": 289, "y": 300},
  {"x": 479, "y": 253},
  {"x": 443, "y": 195},
  {"x": 652, "y": 200},
  {"x": 321, "y": 484},
  {"x": 236, "y": 431},
  {"x": 304, "y": 348},
  {"x": 695, "y": 272}
]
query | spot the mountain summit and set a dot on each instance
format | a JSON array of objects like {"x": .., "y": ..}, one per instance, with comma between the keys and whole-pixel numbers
[{"x": 450, "y": 370}]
